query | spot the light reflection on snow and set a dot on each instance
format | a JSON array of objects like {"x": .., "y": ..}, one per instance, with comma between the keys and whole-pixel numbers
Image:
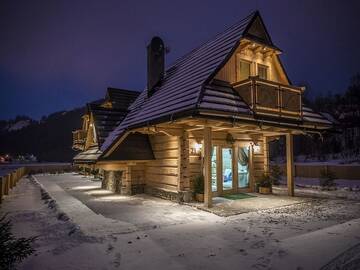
[
  {"x": 113, "y": 198},
  {"x": 98, "y": 192},
  {"x": 84, "y": 187}
]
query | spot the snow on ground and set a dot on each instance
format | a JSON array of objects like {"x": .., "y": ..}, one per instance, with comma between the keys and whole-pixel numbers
[{"x": 142, "y": 232}]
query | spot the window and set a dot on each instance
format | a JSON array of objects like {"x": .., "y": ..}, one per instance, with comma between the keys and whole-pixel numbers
[
  {"x": 227, "y": 168},
  {"x": 244, "y": 71},
  {"x": 262, "y": 72}
]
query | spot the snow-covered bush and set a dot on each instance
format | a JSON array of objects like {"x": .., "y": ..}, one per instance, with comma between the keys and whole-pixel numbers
[{"x": 12, "y": 250}]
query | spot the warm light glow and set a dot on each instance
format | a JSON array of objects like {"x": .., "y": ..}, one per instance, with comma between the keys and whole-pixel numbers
[
  {"x": 99, "y": 192},
  {"x": 113, "y": 198},
  {"x": 256, "y": 149},
  {"x": 84, "y": 187},
  {"x": 255, "y": 146},
  {"x": 197, "y": 147}
]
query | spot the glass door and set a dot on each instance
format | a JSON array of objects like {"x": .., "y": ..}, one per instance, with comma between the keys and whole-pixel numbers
[
  {"x": 243, "y": 167},
  {"x": 227, "y": 171}
]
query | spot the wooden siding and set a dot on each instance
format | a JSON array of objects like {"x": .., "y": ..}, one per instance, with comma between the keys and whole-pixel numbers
[
  {"x": 230, "y": 71},
  {"x": 258, "y": 162},
  {"x": 163, "y": 171}
]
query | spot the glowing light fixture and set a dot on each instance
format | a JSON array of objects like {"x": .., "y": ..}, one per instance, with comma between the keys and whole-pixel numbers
[
  {"x": 256, "y": 149},
  {"x": 197, "y": 147}
]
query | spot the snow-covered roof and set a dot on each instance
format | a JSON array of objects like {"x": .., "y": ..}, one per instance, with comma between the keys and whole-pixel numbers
[
  {"x": 180, "y": 90},
  {"x": 89, "y": 156},
  {"x": 310, "y": 116},
  {"x": 188, "y": 86},
  {"x": 121, "y": 98},
  {"x": 105, "y": 120}
]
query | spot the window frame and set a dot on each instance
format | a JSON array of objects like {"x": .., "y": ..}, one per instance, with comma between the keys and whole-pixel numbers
[
  {"x": 239, "y": 68},
  {"x": 266, "y": 69}
]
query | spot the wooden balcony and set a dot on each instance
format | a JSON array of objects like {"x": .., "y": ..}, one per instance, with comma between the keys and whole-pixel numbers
[
  {"x": 79, "y": 138},
  {"x": 271, "y": 98}
]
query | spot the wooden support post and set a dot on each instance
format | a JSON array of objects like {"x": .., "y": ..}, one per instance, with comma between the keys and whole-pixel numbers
[
  {"x": 207, "y": 167},
  {"x": 7, "y": 184},
  {"x": 290, "y": 164},
  {"x": 127, "y": 181},
  {"x": 251, "y": 169},
  {"x": 2, "y": 187},
  {"x": 183, "y": 162},
  {"x": 12, "y": 180},
  {"x": 266, "y": 155}
]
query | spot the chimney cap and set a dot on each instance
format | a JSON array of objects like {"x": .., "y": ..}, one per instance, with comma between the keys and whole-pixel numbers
[{"x": 156, "y": 44}]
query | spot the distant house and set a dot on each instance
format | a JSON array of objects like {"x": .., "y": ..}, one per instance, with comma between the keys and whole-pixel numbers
[
  {"x": 211, "y": 113},
  {"x": 100, "y": 119},
  {"x": 350, "y": 125}
]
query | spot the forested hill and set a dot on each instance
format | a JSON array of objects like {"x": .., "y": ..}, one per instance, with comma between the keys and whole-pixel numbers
[{"x": 49, "y": 139}]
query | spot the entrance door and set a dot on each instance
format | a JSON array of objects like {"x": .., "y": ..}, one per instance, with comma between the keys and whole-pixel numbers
[{"x": 230, "y": 169}]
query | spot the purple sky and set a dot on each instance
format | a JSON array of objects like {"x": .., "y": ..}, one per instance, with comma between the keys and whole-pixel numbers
[{"x": 57, "y": 55}]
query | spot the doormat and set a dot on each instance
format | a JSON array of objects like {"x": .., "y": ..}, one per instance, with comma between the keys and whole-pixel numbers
[{"x": 238, "y": 196}]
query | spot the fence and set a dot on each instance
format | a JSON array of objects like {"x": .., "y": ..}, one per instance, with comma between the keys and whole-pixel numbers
[
  {"x": 351, "y": 172},
  {"x": 11, "y": 174},
  {"x": 9, "y": 179}
]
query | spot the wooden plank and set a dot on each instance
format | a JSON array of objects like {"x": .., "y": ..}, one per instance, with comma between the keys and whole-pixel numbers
[
  {"x": 290, "y": 164},
  {"x": 164, "y": 146},
  {"x": 166, "y": 154},
  {"x": 162, "y": 170},
  {"x": 207, "y": 167},
  {"x": 162, "y": 178},
  {"x": 162, "y": 186},
  {"x": 163, "y": 163}
]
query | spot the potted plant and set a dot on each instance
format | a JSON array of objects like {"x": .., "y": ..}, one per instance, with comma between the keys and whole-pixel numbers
[
  {"x": 199, "y": 188},
  {"x": 265, "y": 184}
]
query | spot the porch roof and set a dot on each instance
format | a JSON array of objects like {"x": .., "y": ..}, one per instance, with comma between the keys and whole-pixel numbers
[{"x": 89, "y": 156}]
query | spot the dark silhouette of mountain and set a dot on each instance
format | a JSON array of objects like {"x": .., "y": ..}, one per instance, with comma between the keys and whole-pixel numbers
[{"x": 49, "y": 139}]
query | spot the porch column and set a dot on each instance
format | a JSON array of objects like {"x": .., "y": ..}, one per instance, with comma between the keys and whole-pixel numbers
[
  {"x": 266, "y": 155},
  {"x": 183, "y": 162},
  {"x": 207, "y": 167},
  {"x": 290, "y": 164}
]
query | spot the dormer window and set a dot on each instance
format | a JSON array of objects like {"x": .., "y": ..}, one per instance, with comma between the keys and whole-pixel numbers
[
  {"x": 244, "y": 70},
  {"x": 263, "y": 71}
]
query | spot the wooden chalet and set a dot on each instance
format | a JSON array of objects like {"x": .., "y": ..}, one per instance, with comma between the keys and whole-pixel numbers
[
  {"x": 212, "y": 112},
  {"x": 100, "y": 119}
]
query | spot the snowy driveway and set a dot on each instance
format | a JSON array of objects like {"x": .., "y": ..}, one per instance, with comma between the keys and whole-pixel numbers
[
  {"x": 149, "y": 233},
  {"x": 142, "y": 211}
]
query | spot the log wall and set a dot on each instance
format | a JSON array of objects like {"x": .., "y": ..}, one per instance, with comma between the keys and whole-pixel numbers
[{"x": 163, "y": 172}]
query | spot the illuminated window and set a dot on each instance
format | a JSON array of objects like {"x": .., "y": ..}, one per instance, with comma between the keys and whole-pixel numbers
[
  {"x": 227, "y": 168},
  {"x": 262, "y": 72},
  {"x": 244, "y": 71}
]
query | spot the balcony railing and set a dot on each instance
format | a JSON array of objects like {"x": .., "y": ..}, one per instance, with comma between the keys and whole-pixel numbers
[
  {"x": 79, "y": 138},
  {"x": 271, "y": 98}
]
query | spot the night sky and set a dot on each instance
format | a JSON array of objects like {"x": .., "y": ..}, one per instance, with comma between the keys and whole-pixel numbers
[{"x": 57, "y": 55}]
